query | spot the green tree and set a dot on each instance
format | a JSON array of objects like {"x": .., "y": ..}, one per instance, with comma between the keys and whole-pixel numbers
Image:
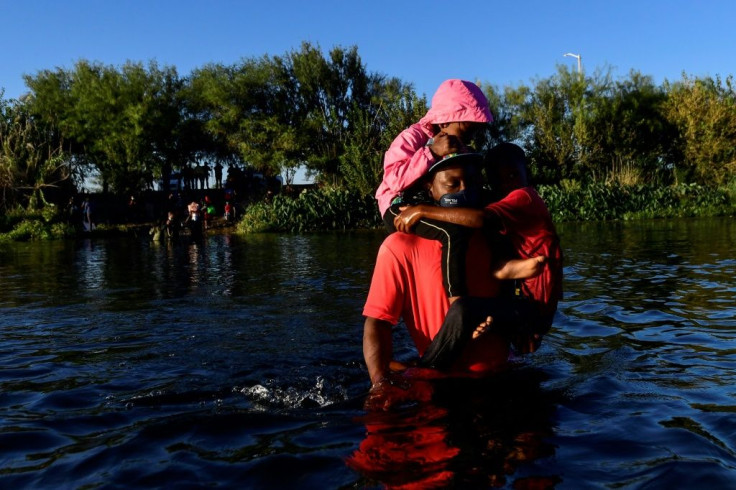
[
  {"x": 32, "y": 161},
  {"x": 239, "y": 109},
  {"x": 547, "y": 114},
  {"x": 704, "y": 112},
  {"x": 300, "y": 109},
  {"x": 398, "y": 106},
  {"x": 508, "y": 123},
  {"x": 632, "y": 132},
  {"x": 123, "y": 122}
]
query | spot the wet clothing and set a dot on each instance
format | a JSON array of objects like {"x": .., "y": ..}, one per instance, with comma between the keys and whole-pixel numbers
[
  {"x": 407, "y": 285},
  {"x": 512, "y": 318},
  {"x": 454, "y": 241},
  {"x": 524, "y": 218}
]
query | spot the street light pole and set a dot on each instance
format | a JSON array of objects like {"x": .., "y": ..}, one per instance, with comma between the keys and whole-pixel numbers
[{"x": 580, "y": 63}]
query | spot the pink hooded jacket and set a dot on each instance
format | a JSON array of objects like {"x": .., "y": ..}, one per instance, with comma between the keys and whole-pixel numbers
[{"x": 408, "y": 158}]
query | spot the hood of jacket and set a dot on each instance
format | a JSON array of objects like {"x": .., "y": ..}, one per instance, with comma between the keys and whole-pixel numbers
[{"x": 457, "y": 100}]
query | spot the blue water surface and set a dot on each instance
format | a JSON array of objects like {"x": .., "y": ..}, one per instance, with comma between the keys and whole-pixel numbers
[{"x": 236, "y": 362}]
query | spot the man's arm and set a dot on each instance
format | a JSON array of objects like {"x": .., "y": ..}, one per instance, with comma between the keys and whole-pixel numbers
[{"x": 377, "y": 348}]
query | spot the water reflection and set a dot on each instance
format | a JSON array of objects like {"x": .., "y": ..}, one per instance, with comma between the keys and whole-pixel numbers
[
  {"x": 91, "y": 262},
  {"x": 472, "y": 434}
]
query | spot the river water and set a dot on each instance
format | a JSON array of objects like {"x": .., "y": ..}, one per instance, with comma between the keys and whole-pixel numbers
[{"x": 237, "y": 363}]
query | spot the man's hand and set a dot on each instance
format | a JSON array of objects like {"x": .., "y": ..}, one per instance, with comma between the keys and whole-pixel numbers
[
  {"x": 377, "y": 348},
  {"x": 408, "y": 217},
  {"x": 396, "y": 388}
]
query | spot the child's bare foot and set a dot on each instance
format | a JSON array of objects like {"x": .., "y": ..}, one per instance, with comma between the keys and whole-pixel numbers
[{"x": 483, "y": 327}]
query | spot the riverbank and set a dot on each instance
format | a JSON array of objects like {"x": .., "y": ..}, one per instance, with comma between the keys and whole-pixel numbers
[
  {"x": 336, "y": 209},
  {"x": 36, "y": 228},
  {"x": 214, "y": 226}
]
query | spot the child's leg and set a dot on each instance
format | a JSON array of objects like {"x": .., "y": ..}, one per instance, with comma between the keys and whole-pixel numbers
[
  {"x": 466, "y": 319},
  {"x": 454, "y": 240},
  {"x": 457, "y": 329},
  {"x": 389, "y": 215},
  {"x": 520, "y": 268}
]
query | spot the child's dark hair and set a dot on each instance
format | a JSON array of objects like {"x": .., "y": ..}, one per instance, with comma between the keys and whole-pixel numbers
[{"x": 506, "y": 154}]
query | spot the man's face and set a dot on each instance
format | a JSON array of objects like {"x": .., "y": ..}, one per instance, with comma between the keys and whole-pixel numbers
[{"x": 450, "y": 180}]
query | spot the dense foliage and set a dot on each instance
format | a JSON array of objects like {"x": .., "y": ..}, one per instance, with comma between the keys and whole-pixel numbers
[
  {"x": 340, "y": 209},
  {"x": 328, "y": 208},
  {"x": 600, "y": 148}
]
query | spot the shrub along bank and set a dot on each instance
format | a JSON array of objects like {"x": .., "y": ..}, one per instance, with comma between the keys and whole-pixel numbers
[
  {"x": 337, "y": 209},
  {"x": 602, "y": 202},
  {"x": 322, "y": 209},
  {"x": 331, "y": 208}
]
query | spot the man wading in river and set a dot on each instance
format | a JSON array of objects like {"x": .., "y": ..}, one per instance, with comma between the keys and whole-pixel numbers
[{"x": 407, "y": 283}]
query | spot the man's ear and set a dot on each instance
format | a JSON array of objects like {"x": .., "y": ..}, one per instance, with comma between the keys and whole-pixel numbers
[{"x": 428, "y": 186}]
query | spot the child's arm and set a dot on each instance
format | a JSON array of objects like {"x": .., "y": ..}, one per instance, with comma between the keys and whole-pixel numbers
[
  {"x": 410, "y": 156},
  {"x": 468, "y": 217},
  {"x": 519, "y": 268},
  {"x": 407, "y": 159}
]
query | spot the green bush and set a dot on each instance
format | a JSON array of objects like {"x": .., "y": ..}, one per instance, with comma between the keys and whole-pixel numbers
[
  {"x": 29, "y": 229},
  {"x": 597, "y": 202},
  {"x": 22, "y": 225},
  {"x": 339, "y": 209},
  {"x": 324, "y": 209}
]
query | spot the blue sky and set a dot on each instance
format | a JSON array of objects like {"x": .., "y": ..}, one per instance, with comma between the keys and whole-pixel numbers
[{"x": 499, "y": 42}]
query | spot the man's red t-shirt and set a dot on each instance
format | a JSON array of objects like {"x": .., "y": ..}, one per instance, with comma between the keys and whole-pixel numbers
[
  {"x": 526, "y": 221},
  {"x": 407, "y": 283}
]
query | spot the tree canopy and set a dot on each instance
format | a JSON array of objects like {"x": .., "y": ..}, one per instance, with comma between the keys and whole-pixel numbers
[{"x": 326, "y": 112}]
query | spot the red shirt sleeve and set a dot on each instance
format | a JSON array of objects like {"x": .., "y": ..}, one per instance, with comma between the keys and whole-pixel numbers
[{"x": 386, "y": 294}]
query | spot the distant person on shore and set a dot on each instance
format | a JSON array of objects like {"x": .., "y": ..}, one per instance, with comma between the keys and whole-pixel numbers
[
  {"x": 206, "y": 176},
  {"x": 172, "y": 226},
  {"x": 228, "y": 212},
  {"x": 218, "y": 175},
  {"x": 74, "y": 213},
  {"x": 194, "y": 219},
  {"x": 88, "y": 223}
]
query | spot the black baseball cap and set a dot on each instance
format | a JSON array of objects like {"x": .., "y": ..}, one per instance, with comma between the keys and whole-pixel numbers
[{"x": 475, "y": 159}]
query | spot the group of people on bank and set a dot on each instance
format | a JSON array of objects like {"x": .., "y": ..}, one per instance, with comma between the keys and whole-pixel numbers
[
  {"x": 196, "y": 216},
  {"x": 80, "y": 214},
  {"x": 473, "y": 266}
]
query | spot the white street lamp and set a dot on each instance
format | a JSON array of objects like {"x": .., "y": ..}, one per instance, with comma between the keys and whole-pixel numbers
[{"x": 580, "y": 63}]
